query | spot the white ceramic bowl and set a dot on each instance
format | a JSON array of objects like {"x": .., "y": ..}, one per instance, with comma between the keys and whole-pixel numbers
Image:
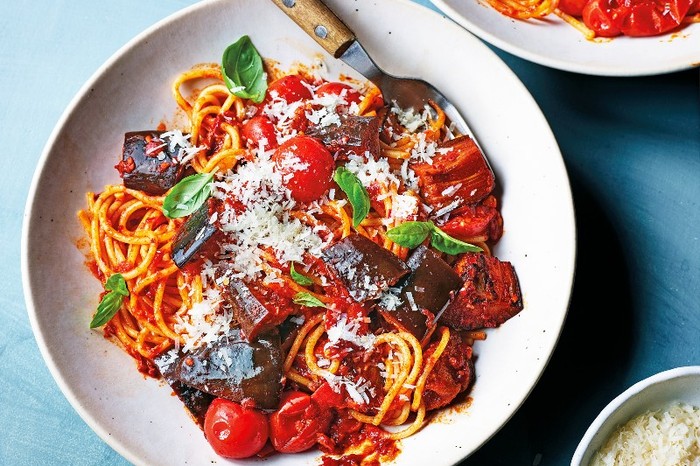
[
  {"x": 554, "y": 43},
  {"x": 658, "y": 391},
  {"x": 140, "y": 418}
]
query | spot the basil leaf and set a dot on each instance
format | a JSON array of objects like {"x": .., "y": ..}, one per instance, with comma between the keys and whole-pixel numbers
[
  {"x": 111, "y": 302},
  {"x": 307, "y": 299},
  {"x": 356, "y": 193},
  {"x": 449, "y": 245},
  {"x": 188, "y": 195},
  {"x": 117, "y": 284},
  {"x": 410, "y": 234},
  {"x": 303, "y": 280},
  {"x": 243, "y": 72}
]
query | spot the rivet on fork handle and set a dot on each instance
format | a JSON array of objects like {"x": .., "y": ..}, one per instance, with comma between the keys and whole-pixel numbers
[{"x": 318, "y": 21}]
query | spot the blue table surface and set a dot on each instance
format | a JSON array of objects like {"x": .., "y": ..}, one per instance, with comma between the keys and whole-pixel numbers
[{"x": 632, "y": 150}]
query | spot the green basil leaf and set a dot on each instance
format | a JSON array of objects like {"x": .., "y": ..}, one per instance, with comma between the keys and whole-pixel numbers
[
  {"x": 410, "y": 234},
  {"x": 112, "y": 301},
  {"x": 188, "y": 195},
  {"x": 303, "y": 280},
  {"x": 110, "y": 304},
  {"x": 449, "y": 245},
  {"x": 356, "y": 193},
  {"x": 307, "y": 299},
  {"x": 117, "y": 284},
  {"x": 243, "y": 71}
]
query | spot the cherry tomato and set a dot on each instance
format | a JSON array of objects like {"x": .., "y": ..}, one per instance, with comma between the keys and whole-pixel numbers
[
  {"x": 598, "y": 15},
  {"x": 694, "y": 7},
  {"x": 258, "y": 128},
  {"x": 307, "y": 167},
  {"x": 636, "y": 18},
  {"x": 652, "y": 17},
  {"x": 290, "y": 88},
  {"x": 234, "y": 431},
  {"x": 341, "y": 89},
  {"x": 295, "y": 426},
  {"x": 572, "y": 7}
]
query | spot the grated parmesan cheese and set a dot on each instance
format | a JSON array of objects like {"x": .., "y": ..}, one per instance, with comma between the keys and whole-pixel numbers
[
  {"x": 359, "y": 391},
  {"x": 265, "y": 218},
  {"x": 177, "y": 140},
  {"x": 347, "y": 331},
  {"x": 666, "y": 437},
  {"x": 410, "y": 119},
  {"x": 203, "y": 324},
  {"x": 390, "y": 299}
]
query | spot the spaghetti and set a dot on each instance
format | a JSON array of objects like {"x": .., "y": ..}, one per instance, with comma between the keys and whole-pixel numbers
[{"x": 356, "y": 355}]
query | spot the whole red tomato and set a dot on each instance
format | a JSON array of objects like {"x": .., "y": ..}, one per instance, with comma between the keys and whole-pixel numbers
[
  {"x": 234, "y": 431},
  {"x": 350, "y": 94},
  {"x": 291, "y": 88},
  {"x": 307, "y": 167},
  {"x": 257, "y": 129}
]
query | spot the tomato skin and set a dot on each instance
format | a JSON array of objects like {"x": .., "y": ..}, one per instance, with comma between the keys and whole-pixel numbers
[
  {"x": 599, "y": 16},
  {"x": 289, "y": 88},
  {"x": 572, "y": 7},
  {"x": 634, "y": 18},
  {"x": 653, "y": 17},
  {"x": 258, "y": 128},
  {"x": 234, "y": 431},
  {"x": 295, "y": 426},
  {"x": 694, "y": 7},
  {"x": 310, "y": 182},
  {"x": 350, "y": 94}
]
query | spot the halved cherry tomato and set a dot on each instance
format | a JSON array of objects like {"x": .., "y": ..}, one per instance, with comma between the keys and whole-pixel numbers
[
  {"x": 350, "y": 94},
  {"x": 295, "y": 426},
  {"x": 257, "y": 129},
  {"x": 307, "y": 167},
  {"x": 234, "y": 431},
  {"x": 598, "y": 15},
  {"x": 290, "y": 88}
]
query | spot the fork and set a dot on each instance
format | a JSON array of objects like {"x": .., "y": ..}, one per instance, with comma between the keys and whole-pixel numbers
[{"x": 317, "y": 20}]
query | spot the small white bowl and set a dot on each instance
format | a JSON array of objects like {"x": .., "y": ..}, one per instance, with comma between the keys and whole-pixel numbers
[{"x": 658, "y": 391}]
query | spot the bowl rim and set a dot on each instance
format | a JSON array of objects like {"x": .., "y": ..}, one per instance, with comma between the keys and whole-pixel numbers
[
  {"x": 584, "y": 446},
  {"x": 60, "y": 378}
]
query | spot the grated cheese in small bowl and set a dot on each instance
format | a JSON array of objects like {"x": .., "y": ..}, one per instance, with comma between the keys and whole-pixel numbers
[
  {"x": 655, "y": 422},
  {"x": 661, "y": 437}
]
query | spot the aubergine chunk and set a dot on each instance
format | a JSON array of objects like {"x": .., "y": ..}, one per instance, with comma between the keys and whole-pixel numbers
[
  {"x": 196, "y": 401},
  {"x": 428, "y": 288},
  {"x": 194, "y": 234},
  {"x": 148, "y": 164},
  {"x": 234, "y": 369},
  {"x": 453, "y": 372},
  {"x": 366, "y": 269},
  {"x": 355, "y": 135},
  {"x": 490, "y": 294},
  {"x": 246, "y": 301}
]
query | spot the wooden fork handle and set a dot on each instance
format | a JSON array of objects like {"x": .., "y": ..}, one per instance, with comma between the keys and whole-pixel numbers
[{"x": 318, "y": 21}]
